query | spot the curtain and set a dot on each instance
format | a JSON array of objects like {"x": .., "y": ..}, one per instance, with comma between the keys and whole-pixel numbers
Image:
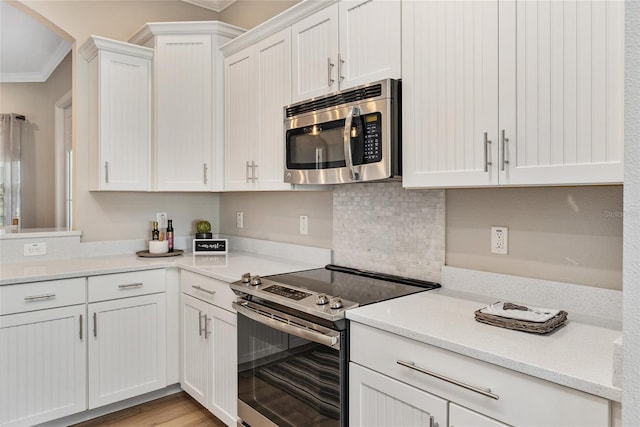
[{"x": 10, "y": 150}]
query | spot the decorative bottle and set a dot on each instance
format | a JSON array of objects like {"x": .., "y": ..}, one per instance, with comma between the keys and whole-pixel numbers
[
  {"x": 155, "y": 233},
  {"x": 170, "y": 234}
]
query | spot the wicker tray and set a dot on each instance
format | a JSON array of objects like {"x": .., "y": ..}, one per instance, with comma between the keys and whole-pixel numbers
[{"x": 523, "y": 325}]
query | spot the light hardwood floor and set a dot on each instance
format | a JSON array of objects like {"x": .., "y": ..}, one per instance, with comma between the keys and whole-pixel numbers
[{"x": 177, "y": 410}]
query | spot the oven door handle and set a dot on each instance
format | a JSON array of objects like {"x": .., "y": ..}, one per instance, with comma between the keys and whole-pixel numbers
[
  {"x": 329, "y": 339},
  {"x": 346, "y": 140}
]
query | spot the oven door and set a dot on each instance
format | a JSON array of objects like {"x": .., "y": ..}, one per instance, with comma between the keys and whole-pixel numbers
[{"x": 291, "y": 372}]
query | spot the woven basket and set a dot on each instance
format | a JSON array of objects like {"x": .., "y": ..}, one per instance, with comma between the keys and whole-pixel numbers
[{"x": 523, "y": 325}]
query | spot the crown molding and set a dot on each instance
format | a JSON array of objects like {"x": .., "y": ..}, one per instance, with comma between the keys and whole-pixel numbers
[{"x": 215, "y": 5}]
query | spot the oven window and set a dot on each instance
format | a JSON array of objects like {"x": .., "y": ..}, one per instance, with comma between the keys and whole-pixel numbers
[
  {"x": 286, "y": 379},
  {"x": 316, "y": 147}
]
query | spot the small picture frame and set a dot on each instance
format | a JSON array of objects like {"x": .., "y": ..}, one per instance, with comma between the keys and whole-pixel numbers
[{"x": 210, "y": 246}]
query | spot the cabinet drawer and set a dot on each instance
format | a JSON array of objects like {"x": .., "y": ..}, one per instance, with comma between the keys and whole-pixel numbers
[
  {"x": 41, "y": 295},
  {"x": 522, "y": 400},
  {"x": 207, "y": 289},
  {"x": 124, "y": 285}
]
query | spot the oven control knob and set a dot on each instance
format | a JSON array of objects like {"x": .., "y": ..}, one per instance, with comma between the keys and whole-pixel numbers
[
  {"x": 335, "y": 303},
  {"x": 322, "y": 299},
  {"x": 246, "y": 277},
  {"x": 255, "y": 280}
]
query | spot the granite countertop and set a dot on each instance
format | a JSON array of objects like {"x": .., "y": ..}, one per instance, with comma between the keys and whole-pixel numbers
[
  {"x": 578, "y": 355},
  {"x": 227, "y": 268}
]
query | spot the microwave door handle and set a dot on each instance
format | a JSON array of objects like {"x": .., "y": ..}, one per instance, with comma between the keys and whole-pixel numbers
[{"x": 346, "y": 139}]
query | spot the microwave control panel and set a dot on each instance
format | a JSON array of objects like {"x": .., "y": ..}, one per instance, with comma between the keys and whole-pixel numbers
[{"x": 372, "y": 148}]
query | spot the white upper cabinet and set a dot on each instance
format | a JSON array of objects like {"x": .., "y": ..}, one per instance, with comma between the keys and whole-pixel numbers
[
  {"x": 257, "y": 87},
  {"x": 188, "y": 102},
  {"x": 562, "y": 91},
  {"x": 512, "y": 93},
  {"x": 450, "y": 93},
  {"x": 370, "y": 41},
  {"x": 119, "y": 114},
  {"x": 349, "y": 43}
]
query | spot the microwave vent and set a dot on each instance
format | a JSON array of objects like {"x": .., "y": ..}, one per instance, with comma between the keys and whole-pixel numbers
[{"x": 358, "y": 94}]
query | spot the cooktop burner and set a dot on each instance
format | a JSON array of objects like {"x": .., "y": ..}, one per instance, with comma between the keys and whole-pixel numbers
[{"x": 328, "y": 292}]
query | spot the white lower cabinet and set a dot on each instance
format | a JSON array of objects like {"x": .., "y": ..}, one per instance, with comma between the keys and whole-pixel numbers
[
  {"x": 390, "y": 374},
  {"x": 126, "y": 348},
  {"x": 378, "y": 400},
  {"x": 208, "y": 365},
  {"x": 127, "y": 335},
  {"x": 462, "y": 417},
  {"x": 42, "y": 351}
]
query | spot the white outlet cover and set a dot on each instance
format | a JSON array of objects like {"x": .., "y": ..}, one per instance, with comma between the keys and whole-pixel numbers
[{"x": 500, "y": 240}]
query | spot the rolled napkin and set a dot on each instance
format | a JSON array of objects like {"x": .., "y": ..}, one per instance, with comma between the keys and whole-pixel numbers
[{"x": 520, "y": 312}]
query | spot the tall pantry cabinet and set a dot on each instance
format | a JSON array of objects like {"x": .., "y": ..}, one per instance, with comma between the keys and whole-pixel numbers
[
  {"x": 512, "y": 93},
  {"x": 188, "y": 112}
]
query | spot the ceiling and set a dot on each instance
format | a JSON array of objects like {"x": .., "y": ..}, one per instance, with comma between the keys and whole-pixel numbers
[{"x": 30, "y": 52}]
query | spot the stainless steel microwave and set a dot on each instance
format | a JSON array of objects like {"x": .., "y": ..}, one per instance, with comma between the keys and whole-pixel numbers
[{"x": 345, "y": 137}]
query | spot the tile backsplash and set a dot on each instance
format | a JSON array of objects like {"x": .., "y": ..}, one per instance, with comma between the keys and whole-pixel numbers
[{"x": 382, "y": 227}]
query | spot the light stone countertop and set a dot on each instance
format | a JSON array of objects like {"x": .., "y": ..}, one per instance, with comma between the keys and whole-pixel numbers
[
  {"x": 577, "y": 355},
  {"x": 227, "y": 268}
]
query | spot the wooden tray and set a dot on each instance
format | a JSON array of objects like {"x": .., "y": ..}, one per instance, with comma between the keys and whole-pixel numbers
[{"x": 147, "y": 254}]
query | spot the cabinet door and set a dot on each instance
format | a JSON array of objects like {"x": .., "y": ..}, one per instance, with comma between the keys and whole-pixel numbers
[
  {"x": 184, "y": 112},
  {"x": 378, "y": 400},
  {"x": 127, "y": 352},
  {"x": 463, "y": 417},
  {"x": 197, "y": 350},
  {"x": 315, "y": 54},
  {"x": 370, "y": 45},
  {"x": 561, "y": 86},
  {"x": 273, "y": 66},
  {"x": 450, "y": 93},
  {"x": 42, "y": 365},
  {"x": 223, "y": 326},
  {"x": 240, "y": 113}
]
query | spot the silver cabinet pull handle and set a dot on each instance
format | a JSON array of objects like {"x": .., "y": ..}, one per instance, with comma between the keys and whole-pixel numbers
[
  {"x": 247, "y": 171},
  {"x": 81, "y": 327},
  {"x": 203, "y": 289},
  {"x": 504, "y": 141},
  {"x": 199, "y": 323},
  {"x": 95, "y": 324},
  {"x": 330, "y": 66},
  {"x": 487, "y": 163},
  {"x": 129, "y": 285},
  {"x": 106, "y": 172},
  {"x": 206, "y": 330},
  {"x": 204, "y": 173},
  {"x": 253, "y": 171},
  {"x": 39, "y": 297},
  {"x": 340, "y": 68},
  {"x": 483, "y": 391},
  {"x": 433, "y": 423}
]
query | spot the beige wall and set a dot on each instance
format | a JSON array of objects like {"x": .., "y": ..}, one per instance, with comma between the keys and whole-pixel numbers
[
  {"x": 569, "y": 234},
  {"x": 276, "y": 216},
  {"x": 113, "y": 216},
  {"x": 249, "y": 13},
  {"x": 36, "y": 101}
]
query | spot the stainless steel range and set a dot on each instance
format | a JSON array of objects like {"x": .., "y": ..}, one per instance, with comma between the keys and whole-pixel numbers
[{"x": 293, "y": 341}]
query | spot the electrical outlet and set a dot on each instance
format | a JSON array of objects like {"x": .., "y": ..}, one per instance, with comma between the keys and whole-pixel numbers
[
  {"x": 161, "y": 217},
  {"x": 499, "y": 240},
  {"x": 33, "y": 249},
  {"x": 239, "y": 220},
  {"x": 304, "y": 224}
]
